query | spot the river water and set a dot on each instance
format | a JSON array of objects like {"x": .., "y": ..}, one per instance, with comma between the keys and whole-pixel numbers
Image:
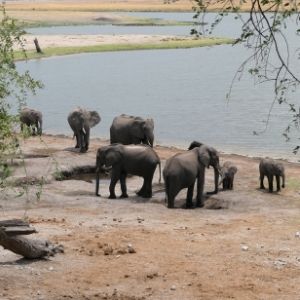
[{"x": 183, "y": 90}]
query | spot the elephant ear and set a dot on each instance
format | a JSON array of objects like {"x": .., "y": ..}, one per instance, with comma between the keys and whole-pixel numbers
[
  {"x": 150, "y": 122},
  {"x": 94, "y": 118},
  {"x": 137, "y": 128},
  {"x": 204, "y": 156},
  {"x": 112, "y": 156}
]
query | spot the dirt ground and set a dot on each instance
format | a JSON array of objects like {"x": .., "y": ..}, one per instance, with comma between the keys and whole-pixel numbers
[{"x": 245, "y": 248}]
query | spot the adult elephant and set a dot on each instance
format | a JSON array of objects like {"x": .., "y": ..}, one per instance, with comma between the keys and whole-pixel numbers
[
  {"x": 81, "y": 121},
  {"x": 140, "y": 160},
  {"x": 33, "y": 119},
  {"x": 270, "y": 168},
  {"x": 182, "y": 170},
  {"x": 132, "y": 130}
]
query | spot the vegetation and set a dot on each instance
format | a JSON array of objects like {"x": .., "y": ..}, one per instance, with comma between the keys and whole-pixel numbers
[
  {"x": 13, "y": 85},
  {"x": 167, "y": 44},
  {"x": 263, "y": 32}
]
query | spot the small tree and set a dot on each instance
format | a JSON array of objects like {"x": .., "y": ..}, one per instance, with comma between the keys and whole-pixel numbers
[
  {"x": 13, "y": 85},
  {"x": 262, "y": 32}
]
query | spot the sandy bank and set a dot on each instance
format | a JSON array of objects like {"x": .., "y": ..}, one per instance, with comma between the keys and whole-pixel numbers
[{"x": 47, "y": 41}]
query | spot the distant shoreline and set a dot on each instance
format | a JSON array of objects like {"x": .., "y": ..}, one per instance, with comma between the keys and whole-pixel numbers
[
  {"x": 181, "y": 146},
  {"x": 58, "y": 45}
]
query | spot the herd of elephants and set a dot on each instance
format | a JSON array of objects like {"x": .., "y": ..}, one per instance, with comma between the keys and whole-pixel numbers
[{"x": 131, "y": 152}]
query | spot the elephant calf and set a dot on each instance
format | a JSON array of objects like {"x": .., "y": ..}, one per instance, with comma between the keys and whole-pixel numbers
[
  {"x": 140, "y": 160},
  {"x": 270, "y": 168},
  {"x": 228, "y": 171},
  {"x": 81, "y": 120},
  {"x": 33, "y": 119}
]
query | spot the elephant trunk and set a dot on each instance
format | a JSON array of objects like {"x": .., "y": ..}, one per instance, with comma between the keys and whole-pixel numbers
[
  {"x": 98, "y": 168},
  {"x": 159, "y": 166},
  {"x": 150, "y": 139},
  {"x": 97, "y": 182},
  {"x": 40, "y": 129},
  {"x": 217, "y": 174}
]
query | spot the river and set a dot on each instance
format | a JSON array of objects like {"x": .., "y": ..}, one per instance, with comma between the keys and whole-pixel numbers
[{"x": 183, "y": 90}]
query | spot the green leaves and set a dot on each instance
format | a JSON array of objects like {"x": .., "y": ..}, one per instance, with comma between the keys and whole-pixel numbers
[{"x": 13, "y": 86}]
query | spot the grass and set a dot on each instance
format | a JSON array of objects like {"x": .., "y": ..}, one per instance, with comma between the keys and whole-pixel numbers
[{"x": 168, "y": 44}]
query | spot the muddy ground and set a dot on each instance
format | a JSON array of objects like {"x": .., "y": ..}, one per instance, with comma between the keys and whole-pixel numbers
[{"x": 247, "y": 247}]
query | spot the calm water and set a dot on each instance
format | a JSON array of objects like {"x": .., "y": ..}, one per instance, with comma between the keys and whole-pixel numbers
[{"x": 183, "y": 90}]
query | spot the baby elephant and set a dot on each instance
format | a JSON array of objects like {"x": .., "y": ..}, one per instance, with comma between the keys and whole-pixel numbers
[
  {"x": 140, "y": 160},
  {"x": 228, "y": 171},
  {"x": 31, "y": 118},
  {"x": 270, "y": 168}
]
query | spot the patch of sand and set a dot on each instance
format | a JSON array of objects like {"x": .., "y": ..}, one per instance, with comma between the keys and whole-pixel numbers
[{"x": 46, "y": 41}]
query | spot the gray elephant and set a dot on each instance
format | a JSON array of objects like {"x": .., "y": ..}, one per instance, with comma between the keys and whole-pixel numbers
[
  {"x": 132, "y": 130},
  {"x": 270, "y": 168},
  {"x": 182, "y": 170},
  {"x": 228, "y": 170},
  {"x": 81, "y": 121},
  {"x": 33, "y": 119},
  {"x": 140, "y": 160}
]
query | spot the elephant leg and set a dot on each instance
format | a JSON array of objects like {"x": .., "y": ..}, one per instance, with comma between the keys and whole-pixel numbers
[
  {"x": 123, "y": 185},
  {"x": 189, "y": 196},
  {"x": 171, "y": 192},
  {"x": 115, "y": 176},
  {"x": 278, "y": 182},
  {"x": 82, "y": 145},
  {"x": 262, "y": 181},
  {"x": 148, "y": 186},
  {"x": 87, "y": 138},
  {"x": 270, "y": 179},
  {"x": 77, "y": 140},
  {"x": 231, "y": 183},
  {"x": 143, "y": 188},
  {"x": 200, "y": 187}
]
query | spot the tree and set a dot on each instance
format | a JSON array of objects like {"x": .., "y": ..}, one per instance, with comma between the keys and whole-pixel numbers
[
  {"x": 13, "y": 85},
  {"x": 262, "y": 32}
]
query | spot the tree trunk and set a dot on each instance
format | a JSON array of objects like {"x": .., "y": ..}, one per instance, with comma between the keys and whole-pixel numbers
[
  {"x": 11, "y": 238},
  {"x": 37, "y": 46}
]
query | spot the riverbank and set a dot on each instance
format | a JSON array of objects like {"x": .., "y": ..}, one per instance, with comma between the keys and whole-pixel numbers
[
  {"x": 56, "y": 45},
  {"x": 245, "y": 249}
]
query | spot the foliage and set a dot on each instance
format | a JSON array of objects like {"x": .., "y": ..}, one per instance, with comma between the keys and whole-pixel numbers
[
  {"x": 262, "y": 32},
  {"x": 13, "y": 85}
]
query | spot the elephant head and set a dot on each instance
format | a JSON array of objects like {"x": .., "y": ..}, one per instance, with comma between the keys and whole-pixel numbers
[
  {"x": 143, "y": 130},
  {"x": 107, "y": 156},
  {"x": 208, "y": 156},
  {"x": 31, "y": 118}
]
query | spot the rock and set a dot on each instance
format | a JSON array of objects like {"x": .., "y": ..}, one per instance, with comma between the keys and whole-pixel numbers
[
  {"x": 244, "y": 248},
  {"x": 130, "y": 249},
  {"x": 297, "y": 234},
  {"x": 121, "y": 250},
  {"x": 173, "y": 288},
  {"x": 108, "y": 250}
]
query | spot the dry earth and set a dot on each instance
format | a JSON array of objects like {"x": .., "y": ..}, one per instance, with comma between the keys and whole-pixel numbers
[{"x": 246, "y": 249}]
